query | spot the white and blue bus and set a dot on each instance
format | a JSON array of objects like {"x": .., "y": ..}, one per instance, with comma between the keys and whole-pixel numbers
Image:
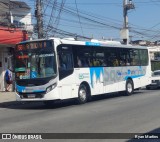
[{"x": 58, "y": 69}]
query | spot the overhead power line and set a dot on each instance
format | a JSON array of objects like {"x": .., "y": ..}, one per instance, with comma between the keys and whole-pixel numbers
[{"x": 88, "y": 19}]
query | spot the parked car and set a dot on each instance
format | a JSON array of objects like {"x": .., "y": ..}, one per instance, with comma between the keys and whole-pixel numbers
[{"x": 155, "y": 80}]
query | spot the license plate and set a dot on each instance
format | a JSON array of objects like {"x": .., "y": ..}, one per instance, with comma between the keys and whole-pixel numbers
[{"x": 31, "y": 95}]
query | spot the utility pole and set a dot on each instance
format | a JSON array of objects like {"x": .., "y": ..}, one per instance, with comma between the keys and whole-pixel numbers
[
  {"x": 127, "y": 5},
  {"x": 38, "y": 14}
]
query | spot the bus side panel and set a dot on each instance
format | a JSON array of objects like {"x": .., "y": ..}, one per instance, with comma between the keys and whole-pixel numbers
[
  {"x": 93, "y": 76},
  {"x": 111, "y": 79},
  {"x": 146, "y": 79},
  {"x": 81, "y": 75},
  {"x": 102, "y": 80},
  {"x": 115, "y": 77},
  {"x": 97, "y": 80}
]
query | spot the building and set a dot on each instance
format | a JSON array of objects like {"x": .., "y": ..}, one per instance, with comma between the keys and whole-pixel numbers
[
  {"x": 21, "y": 16},
  {"x": 153, "y": 51},
  {"x": 15, "y": 26}
]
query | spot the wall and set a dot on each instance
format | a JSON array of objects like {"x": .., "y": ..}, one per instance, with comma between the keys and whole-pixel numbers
[{"x": 4, "y": 63}]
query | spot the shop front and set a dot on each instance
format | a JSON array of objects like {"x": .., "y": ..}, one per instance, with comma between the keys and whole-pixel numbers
[{"x": 9, "y": 37}]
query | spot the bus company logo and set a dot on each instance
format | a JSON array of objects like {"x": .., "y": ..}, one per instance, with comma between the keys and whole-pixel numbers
[
  {"x": 6, "y": 136},
  {"x": 81, "y": 76}
]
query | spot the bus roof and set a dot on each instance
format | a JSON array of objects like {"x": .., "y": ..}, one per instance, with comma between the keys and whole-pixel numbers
[
  {"x": 93, "y": 42},
  {"x": 103, "y": 43}
]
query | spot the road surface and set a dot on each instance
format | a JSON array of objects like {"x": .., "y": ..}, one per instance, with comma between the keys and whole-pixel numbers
[{"x": 139, "y": 113}]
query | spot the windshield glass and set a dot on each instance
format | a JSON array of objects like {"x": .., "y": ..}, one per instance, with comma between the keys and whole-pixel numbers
[{"x": 35, "y": 60}]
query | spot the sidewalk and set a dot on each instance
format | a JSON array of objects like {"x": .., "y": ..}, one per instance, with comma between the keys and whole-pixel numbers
[{"x": 6, "y": 97}]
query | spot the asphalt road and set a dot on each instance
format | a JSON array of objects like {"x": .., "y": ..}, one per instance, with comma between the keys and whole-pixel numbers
[{"x": 139, "y": 113}]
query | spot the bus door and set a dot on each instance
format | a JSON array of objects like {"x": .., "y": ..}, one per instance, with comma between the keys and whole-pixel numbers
[{"x": 66, "y": 77}]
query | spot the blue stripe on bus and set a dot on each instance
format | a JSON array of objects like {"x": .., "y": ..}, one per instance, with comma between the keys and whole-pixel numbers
[
  {"x": 37, "y": 91},
  {"x": 97, "y": 71},
  {"x": 135, "y": 76},
  {"x": 92, "y": 43},
  {"x": 20, "y": 88}
]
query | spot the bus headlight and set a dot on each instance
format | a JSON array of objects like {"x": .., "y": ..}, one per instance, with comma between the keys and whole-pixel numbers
[{"x": 51, "y": 88}]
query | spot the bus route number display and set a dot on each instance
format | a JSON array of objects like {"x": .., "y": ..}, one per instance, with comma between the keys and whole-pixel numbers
[{"x": 32, "y": 45}]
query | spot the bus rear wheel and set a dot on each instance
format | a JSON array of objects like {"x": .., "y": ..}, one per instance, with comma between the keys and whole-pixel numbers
[
  {"x": 129, "y": 87},
  {"x": 82, "y": 94}
]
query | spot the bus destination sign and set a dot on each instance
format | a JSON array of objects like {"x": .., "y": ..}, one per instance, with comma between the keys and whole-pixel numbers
[{"x": 31, "y": 45}]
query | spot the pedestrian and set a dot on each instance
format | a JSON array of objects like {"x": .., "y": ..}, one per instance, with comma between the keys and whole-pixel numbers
[{"x": 8, "y": 79}]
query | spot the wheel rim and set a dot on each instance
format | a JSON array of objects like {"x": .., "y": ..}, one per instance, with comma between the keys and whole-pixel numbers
[
  {"x": 129, "y": 87},
  {"x": 82, "y": 94}
]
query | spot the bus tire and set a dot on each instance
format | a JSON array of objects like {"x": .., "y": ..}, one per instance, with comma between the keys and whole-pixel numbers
[
  {"x": 129, "y": 87},
  {"x": 82, "y": 94}
]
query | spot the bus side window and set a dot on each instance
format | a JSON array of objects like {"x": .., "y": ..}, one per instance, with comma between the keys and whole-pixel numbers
[
  {"x": 79, "y": 62},
  {"x": 65, "y": 61},
  {"x": 65, "y": 64},
  {"x": 68, "y": 61},
  {"x": 62, "y": 65}
]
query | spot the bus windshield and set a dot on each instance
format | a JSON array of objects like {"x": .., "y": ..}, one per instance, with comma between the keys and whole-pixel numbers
[{"x": 35, "y": 60}]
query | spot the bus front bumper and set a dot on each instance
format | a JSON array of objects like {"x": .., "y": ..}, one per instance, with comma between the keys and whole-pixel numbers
[{"x": 53, "y": 95}]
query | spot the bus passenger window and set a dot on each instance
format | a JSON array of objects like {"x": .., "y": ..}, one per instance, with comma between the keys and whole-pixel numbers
[
  {"x": 90, "y": 62},
  {"x": 65, "y": 64},
  {"x": 65, "y": 61},
  {"x": 84, "y": 63},
  {"x": 115, "y": 62},
  {"x": 79, "y": 63},
  {"x": 127, "y": 63},
  {"x": 62, "y": 66}
]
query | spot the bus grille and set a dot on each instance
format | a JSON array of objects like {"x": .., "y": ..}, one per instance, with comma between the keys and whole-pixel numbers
[{"x": 31, "y": 95}]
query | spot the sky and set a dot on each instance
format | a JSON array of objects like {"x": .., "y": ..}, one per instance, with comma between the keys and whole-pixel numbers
[{"x": 100, "y": 18}]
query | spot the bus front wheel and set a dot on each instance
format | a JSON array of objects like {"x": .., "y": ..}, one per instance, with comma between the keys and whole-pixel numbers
[
  {"x": 82, "y": 94},
  {"x": 129, "y": 87}
]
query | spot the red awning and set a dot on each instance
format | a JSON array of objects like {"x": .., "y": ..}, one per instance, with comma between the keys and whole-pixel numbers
[{"x": 12, "y": 36}]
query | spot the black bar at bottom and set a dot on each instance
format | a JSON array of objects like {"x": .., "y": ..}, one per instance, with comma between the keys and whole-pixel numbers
[{"x": 79, "y": 136}]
